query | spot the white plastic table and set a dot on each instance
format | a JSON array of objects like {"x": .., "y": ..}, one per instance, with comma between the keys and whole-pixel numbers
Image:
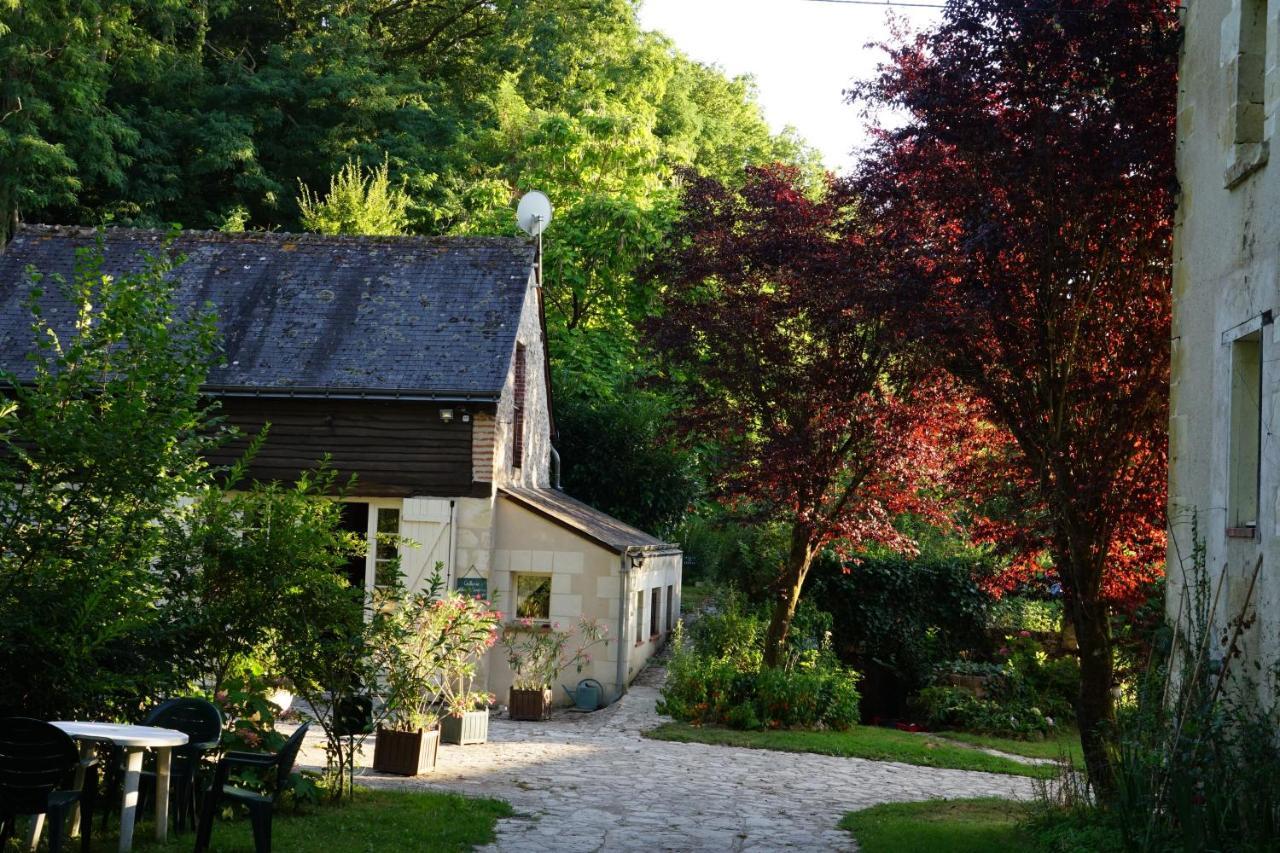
[{"x": 132, "y": 740}]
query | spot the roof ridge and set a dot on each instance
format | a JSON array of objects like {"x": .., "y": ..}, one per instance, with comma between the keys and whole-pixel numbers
[{"x": 273, "y": 237}]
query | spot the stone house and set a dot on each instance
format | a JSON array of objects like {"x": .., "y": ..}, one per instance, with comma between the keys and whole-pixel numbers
[
  {"x": 418, "y": 365},
  {"x": 1224, "y": 479}
]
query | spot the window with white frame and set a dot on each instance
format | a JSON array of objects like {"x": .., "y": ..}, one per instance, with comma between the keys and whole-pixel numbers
[
  {"x": 1244, "y": 466},
  {"x": 386, "y": 546},
  {"x": 671, "y": 611},
  {"x": 533, "y": 597},
  {"x": 655, "y": 610},
  {"x": 639, "y": 617}
]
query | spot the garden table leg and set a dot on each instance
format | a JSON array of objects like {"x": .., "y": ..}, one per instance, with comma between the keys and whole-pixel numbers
[
  {"x": 33, "y": 832},
  {"x": 164, "y": 757},
  {"x": 86, "y": 750},
  {"x": 129, "y": 799}
]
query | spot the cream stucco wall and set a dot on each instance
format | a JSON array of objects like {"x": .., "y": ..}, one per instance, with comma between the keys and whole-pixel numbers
[
  {"x": 1226, "y": 275},
  {"x": 586, "y": 581}
]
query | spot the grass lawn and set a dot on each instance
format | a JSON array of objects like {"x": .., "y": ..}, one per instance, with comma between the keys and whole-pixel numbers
[
  {"x": 1065, "y": 744},
  {"x": 941, "y": 826},
  {"x": 374, "y": 821},
  {"x": 873, "y": 742}
]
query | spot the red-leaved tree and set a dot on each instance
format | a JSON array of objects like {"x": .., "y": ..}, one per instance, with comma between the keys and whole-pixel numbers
[
  {"x": 1029, "y": 196},
  {"x": 773, "y": 318}
]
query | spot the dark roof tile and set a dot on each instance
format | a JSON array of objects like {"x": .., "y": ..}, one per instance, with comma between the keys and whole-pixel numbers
[{"x": 302, "y": 314}]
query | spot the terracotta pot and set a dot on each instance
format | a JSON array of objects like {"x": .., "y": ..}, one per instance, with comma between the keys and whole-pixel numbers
[
  {"x": 530, "y": 704},
  {"x": 471, "y": 727},
  {"x": 405, "y": 753}
]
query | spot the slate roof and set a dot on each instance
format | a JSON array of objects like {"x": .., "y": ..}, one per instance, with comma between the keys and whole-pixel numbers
[
  {"x": 309, "y": 315},
  {"x": 604, "y": 530}
]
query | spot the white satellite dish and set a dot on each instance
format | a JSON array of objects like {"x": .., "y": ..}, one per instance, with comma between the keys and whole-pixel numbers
[{"x": 533, "y": 214}]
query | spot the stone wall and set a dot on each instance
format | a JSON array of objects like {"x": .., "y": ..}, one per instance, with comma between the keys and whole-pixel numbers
[
  {"x": 535, "y": 469},
  {"x": 1226, "y": 269}
]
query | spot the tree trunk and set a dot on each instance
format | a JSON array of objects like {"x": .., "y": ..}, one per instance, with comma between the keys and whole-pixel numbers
[
  {"x": 796, "y": 570},
  {"x": 1095, "y": 708}
]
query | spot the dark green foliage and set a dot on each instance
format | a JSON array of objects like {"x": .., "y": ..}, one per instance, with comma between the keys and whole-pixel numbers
[
  {"x": 899, "y": 618},
  {"x": 728, "y": 550},
  {"x": 619, "y": 455},
  {"x": 718, "y": 677},
  {"x": 1196, "y": 760},
  {"x": 96, "y": 452}
]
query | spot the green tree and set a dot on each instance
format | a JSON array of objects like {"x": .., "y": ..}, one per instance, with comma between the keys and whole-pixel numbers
[
  {"x": 99, "y": 446},
  {"x": 357, "y": 203}
]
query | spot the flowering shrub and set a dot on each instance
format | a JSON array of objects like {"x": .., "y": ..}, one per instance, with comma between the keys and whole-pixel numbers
[
  {"x": 427, "y": 652},
  {"x": 537, "y": 654}
]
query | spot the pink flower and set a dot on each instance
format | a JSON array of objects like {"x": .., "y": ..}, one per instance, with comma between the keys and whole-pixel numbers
[
  {"x": 1024, "y": 634},
  {"x": 1003, "y": 651}
]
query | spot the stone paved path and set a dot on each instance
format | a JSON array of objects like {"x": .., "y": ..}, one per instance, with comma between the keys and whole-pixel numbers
[{"x": 591, "y": 783}]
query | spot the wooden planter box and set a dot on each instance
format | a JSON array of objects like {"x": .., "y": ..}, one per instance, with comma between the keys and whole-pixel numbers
[
  {"x": 530, "y": 704},
  {"x": 405, "y": 753},
  {"x": 471, "y": 727}
]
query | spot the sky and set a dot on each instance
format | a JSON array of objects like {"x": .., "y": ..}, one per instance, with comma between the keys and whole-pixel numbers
[{"x": 802, "y": 54}]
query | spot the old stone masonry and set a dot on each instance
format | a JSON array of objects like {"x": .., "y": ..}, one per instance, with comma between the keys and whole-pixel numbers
[{"x": 591, "y": 782}]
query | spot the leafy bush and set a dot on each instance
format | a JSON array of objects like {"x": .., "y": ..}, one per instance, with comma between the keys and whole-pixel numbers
[
  {"x": 944, "y": 707},
  {"x": 899, "y": 618},
  {"x": 716, "y": 677},
  {"x": 1013, "y": 613},
  {"x": 1026, "y": 693},
  {"x": 95, "y": 451}
]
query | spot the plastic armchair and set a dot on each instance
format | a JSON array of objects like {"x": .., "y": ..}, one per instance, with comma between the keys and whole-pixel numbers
[
  {"x": 260, "y": 805},
  {"x": 38, "y": 763}
]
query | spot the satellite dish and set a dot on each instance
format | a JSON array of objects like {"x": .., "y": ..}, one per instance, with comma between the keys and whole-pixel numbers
[{"x": 533, "y": 214}]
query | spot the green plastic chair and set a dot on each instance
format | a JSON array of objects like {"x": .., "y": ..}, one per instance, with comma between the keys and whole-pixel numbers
[
  {"x": 38, "y": 762},
  {"x": 260, "y": 806},
  {"x": 202, "y": 722}
]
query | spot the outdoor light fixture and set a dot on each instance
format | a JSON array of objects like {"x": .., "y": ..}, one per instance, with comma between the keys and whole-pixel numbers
[
  {"x": 637, "y": 560},
  {"x": 446, "y": 416}
]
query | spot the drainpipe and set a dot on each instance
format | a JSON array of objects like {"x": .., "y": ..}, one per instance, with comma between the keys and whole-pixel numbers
[
  {"x": 450, "y": 573},
  {"x": 555, "y": 462},
  {"x": 624, "y": 621}
]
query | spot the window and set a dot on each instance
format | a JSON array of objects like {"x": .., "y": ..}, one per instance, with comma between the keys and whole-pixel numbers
[
  {"x": 386, "y": 549},
  {"x": 533, "y": 597},
  {"x": 639, "y": 617},
  {"x": 655, "y": 610},
  {"x": 1245, "y": 441},
  {"x": 517, "y": 417},
  {"x": 671, "y": 598},
  {"x": 1251, "y": 72}
]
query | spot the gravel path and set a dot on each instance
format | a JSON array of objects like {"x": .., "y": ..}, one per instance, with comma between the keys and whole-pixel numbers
[{"x": 590, "y": 782}]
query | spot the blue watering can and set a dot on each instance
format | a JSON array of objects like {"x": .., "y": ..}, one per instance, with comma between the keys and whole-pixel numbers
[{"x": 588, "y": 696}]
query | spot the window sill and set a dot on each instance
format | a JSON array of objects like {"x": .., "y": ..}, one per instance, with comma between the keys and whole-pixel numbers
[
  {"x": 539, "y": 625},
  {"x": 1242, "y": 533},
  {"x": 1247, "y": 158}
]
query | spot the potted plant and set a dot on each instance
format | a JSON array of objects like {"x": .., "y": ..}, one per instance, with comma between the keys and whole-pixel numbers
[
  {"x": 408, "y": 658},
  {"x": 537, "y": 654},
  {"x": 469, "y": 629}
]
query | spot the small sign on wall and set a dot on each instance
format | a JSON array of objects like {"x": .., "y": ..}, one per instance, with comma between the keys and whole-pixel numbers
[{"x": 473, "y": 587}]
